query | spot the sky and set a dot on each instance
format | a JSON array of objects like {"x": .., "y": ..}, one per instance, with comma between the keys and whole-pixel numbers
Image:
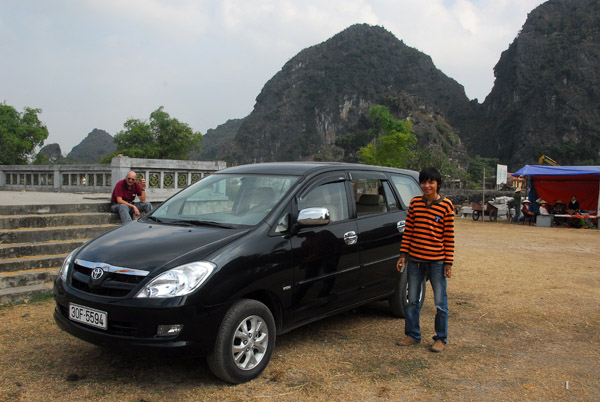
[{"x": 98, "y": 63}]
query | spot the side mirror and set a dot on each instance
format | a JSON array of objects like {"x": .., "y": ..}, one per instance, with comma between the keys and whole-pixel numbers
[{"x": 314, "y": 217}]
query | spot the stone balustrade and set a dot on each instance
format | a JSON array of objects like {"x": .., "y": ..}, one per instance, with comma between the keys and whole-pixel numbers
[{"x": 164, "y": 177}]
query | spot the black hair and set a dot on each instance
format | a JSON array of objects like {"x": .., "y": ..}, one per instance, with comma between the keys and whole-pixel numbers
[{"x": 430, "y": 173}]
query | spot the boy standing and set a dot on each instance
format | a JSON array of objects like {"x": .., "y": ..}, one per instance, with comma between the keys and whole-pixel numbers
[{"x": 428, "y": 250}]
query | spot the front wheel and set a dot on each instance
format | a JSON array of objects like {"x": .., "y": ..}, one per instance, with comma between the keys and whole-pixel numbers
[
  {"x": 399, "y": 300},
  {"x": 476, "y": 215},
  {"x": 244, "y": 342}
]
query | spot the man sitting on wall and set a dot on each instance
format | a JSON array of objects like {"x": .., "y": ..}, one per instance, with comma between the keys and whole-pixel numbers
[{"x": 124, "y": 194}]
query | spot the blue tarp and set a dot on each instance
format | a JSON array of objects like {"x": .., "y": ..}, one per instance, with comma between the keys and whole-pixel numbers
[{"x": 541, "y": 170}]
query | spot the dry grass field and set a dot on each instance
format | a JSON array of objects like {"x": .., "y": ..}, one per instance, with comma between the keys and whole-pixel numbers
[{"x": 524, "y": 325}]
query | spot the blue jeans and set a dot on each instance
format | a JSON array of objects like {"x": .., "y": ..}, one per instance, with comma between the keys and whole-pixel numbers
[
  {"x": 126, "y": 213},
  {"x": 417, "y": 273}
]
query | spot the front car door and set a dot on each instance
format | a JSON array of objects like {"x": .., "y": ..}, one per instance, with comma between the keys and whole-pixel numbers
[{"x": 326, "y": 258}]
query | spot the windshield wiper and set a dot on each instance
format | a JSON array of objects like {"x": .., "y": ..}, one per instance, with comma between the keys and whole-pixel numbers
[
  {"x": 197, "y": 222},
  {"x": 155, "y": 219}
]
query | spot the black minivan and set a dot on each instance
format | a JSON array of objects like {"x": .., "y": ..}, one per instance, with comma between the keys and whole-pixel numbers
[{"x": 241, "y": 256}]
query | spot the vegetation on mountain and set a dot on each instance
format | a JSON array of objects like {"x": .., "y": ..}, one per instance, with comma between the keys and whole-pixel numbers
[
  {"x": 392, "y": 142},
  {"x": 162, "y": 137},
  {"x": 20, "y": 134}
]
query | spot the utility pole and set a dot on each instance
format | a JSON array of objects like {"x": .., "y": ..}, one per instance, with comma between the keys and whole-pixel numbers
[{"x": 483, "y": 208}]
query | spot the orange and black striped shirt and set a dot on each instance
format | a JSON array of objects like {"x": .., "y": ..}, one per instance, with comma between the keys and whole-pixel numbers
[{"x": 429, "y": 233}]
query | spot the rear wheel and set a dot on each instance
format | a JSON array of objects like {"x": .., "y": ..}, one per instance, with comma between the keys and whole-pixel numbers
[
  {"x": 476, "y": 215},
  {"x": 244, "y": 342},
  {"x": 399, "y": 300}
]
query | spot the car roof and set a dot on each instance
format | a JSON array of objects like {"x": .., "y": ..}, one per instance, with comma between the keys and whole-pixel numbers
[{"x": 307, "y": 168}]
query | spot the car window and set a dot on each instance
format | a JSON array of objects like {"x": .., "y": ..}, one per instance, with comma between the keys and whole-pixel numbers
[
  {"x": 227, "y": 199},
  {"x": 331, "y": 196},
  {"x": 283, "y": 223},
  {"x": 407, "y": 188},
  {"x": 371, "y": 197}
]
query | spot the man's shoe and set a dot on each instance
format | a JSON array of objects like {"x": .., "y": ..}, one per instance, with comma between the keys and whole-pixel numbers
[
  {"x": 408, "y": 341},
  {"x": 437, "y": 346}
]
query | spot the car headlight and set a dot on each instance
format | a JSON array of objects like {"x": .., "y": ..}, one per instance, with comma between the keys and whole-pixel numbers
[
  {"x": 64, "y": 270},
  {"x": 178, "y": 281}
]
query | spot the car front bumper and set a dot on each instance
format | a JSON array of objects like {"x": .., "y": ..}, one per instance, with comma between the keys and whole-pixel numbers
[{"x": 133, "y": 323}]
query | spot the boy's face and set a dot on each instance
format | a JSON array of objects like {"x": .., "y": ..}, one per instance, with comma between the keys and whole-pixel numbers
[{"x": 429, "y": 187}]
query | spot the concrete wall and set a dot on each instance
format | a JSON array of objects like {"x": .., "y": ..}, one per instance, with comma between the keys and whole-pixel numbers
[{"x": 165, "y": 177}]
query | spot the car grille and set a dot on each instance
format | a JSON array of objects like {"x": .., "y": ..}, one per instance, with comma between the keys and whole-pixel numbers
[{"x": 113, "y": 284}]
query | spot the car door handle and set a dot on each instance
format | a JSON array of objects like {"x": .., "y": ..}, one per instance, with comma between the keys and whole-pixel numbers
[
  {"x": 401, "y": 226},
  {"x": 350, "y": 238}
]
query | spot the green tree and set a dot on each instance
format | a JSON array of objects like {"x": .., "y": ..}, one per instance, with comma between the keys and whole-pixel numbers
[
  {"x": 426, "y": 156},
  {"x": 393, "y": 140},
  {"x": 162, "y": 137},
  {"x": 20, "y": 134},
  {"x": 475, "y": 170}
]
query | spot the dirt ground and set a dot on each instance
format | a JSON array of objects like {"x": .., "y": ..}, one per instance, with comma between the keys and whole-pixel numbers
[{"x": 524, "y": 325}]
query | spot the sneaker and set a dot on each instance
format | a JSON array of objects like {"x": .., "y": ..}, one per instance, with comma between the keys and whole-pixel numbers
[
  {"x": 437, "y": 346},
  {"x": 408, "y": 341}
]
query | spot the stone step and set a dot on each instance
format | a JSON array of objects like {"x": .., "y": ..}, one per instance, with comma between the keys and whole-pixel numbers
[
  {"x": 30, "y": 235},
  {"x": 27, "y": 278},
  {"x": 39, "y": 248},
  {"x": 51, "y": 220},
  {"x": 29, "y": 263},
  {"x": 20, "y": 293},
  {"x": 103, "y": 206}
]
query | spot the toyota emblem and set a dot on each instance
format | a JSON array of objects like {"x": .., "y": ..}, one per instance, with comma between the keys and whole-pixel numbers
[{"x": 97, "y": 273}]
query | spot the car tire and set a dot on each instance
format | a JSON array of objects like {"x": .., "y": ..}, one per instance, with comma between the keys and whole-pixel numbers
[
  {"x": 244, "y": 343},
  {"x": 399, "y": 300}
]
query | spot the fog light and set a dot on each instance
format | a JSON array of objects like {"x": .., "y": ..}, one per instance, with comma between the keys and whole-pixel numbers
[{"x": 169, "y": 330}]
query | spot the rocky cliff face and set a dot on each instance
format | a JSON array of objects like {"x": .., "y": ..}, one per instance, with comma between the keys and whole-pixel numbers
[
  {"x": 52, "y": 152},
  {"x": 545, "y": 100},
  {"x": 546, "y": 97},
  {"x": 325, "y": 91},
  {"x": 94, "y": 147}
]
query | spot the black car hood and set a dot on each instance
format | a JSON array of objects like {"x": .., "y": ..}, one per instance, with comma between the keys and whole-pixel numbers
[{"x": 151, "y": 246}]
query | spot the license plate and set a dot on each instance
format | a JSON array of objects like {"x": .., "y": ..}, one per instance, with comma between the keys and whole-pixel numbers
[{"x": 89, "y": 316}]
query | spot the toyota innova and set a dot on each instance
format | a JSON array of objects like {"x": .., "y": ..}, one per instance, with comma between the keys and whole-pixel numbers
[{"x": 246, "y": 254}]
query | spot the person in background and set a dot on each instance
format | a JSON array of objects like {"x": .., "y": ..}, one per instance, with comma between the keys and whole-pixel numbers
[
  {"x": 573, "y": 209},
  {"x": 543, "y": 207},
  {"x": 573, "y": 206},
  {"x": 427, "y": 249},
  {"x": 528, "y": 215},
  {"x": 559, "y": 209},
  {"x": 123, "y": 196},
  {"x": 517, "y": 200}
]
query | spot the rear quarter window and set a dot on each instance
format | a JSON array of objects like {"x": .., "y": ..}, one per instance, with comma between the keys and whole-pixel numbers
[{"x": 407, "y": 188}]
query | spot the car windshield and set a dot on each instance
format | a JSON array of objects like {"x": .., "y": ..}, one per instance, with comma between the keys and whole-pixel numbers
[{"x": 225, "y": 200}]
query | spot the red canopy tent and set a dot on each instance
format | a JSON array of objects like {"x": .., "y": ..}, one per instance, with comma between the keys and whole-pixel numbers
[{"x": 561, "y": 182}]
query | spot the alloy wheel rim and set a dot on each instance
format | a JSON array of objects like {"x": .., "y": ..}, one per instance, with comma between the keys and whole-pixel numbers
[{"x": 250, "y": 342}]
